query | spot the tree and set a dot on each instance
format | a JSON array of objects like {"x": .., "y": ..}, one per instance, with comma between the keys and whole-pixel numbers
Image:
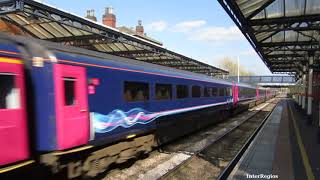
[{"x": 232, "y": 66}]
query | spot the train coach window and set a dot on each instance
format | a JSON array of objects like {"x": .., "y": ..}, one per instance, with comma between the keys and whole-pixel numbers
[
  {"x": 252, "y": 91},
  {"x": 196, "y": 91},
  {"x": 69, "y": 91},
  {"x": 214, "y": 91},
  {"x": 182, "y": 91},
  {"x": 222, "y": 92},
  {"x": 206, "y": 92},
  {"x": 9, "y": 94},
  {"x": 229, "y": 92},
  {"x": 163, "y": 91},
  {"x": 136, "y": 91}
]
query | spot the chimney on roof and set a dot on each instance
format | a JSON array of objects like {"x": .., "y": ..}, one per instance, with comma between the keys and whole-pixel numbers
[
  {"x": 139, "y": 28},
  {"x": 91, "y": 16},
  {"x": 109, "y": 19}
]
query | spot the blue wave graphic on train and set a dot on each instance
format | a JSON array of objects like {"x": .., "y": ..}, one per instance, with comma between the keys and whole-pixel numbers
[{"x": 106, "y": 123}]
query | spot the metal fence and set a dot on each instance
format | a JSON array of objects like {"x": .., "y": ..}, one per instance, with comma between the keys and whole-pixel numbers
[{"x": 264, "y": 79}]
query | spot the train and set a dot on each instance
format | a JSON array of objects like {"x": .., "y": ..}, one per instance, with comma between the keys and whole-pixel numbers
[{"x": 57, "y": 100}]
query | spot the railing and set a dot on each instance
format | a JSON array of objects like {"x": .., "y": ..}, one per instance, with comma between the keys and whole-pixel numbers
[{"x": 264, "y": 79}]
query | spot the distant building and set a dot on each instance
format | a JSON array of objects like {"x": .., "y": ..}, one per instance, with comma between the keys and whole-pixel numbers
[
  {"x": 109, "y": 19},
  {"x": 139, "y": 32},
  {"x": 91, "y": 16},
  {"x": 139, "y": 28}
]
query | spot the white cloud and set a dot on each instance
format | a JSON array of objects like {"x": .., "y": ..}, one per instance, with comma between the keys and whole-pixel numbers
[
  {"x": 187, "y": 26},
  {"x": 158, "y": 26},
  {"x": 217, "y": 34}
]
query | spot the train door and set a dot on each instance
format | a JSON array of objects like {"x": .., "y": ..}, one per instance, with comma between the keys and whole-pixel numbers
[
  {"x": 13, "y": 119},
  {"x": 235, "y": 93},
  {"x": 72, "y": 119}
]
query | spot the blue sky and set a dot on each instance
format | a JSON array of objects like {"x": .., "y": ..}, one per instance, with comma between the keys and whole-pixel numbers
[{"x": 198, "y": 29}]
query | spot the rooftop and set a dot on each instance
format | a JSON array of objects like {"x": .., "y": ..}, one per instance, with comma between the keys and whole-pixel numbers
[
  {"x": 285, "y": 33},
  {"x": 49, "y": 23}
]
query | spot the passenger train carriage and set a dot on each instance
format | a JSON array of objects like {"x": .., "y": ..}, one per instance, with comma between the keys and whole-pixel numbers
[{"x": 62, "y": 99}]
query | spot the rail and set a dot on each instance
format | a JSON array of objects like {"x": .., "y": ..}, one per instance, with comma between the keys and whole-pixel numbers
[{"x": 228, "y": 169}]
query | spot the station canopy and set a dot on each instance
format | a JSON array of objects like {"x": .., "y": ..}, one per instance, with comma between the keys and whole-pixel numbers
[
  {"x": 285, "y": 33},
  {"x": 52, "y": 24}
]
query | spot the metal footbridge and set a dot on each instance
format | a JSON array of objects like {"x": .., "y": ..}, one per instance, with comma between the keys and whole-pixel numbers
[{"x": 266, "y": 81}]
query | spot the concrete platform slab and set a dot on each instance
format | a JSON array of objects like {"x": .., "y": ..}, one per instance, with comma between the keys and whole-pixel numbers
[
  {"x": 285, "y": 148},
  {"x": 259, "y": 156}
]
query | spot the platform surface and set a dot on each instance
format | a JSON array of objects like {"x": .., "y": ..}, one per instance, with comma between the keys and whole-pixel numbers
[{"x": 285, "y": 148}]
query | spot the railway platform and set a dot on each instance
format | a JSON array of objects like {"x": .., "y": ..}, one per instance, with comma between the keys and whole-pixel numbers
[{"x": 285, "y": 148}]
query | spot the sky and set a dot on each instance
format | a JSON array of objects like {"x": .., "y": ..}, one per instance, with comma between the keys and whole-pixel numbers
[{"x": 198, "y": 29}]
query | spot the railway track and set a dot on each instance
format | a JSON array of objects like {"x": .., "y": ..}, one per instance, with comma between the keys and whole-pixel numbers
[{"x": 204, "y": 155}]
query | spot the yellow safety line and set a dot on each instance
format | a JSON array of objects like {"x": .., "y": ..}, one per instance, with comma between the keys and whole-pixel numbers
[
  {"x": 6, "y": 169},
  {"x": 72, "y": 150},
  {"x": 303, "y": 152},
  {"x": 10, "y": 60}
]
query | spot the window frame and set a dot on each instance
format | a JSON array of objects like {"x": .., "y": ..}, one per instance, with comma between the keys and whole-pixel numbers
[
  {"x": 207, "y": 91},
  {"x": 222, "y": 91},
  {"x": 74, "y": 80},
  {"x": 214, "y": 90},
  {"x": 136, "y": 101},
  {"x": 17, "y": 94},
  {"x": 198, "y": 95},
  {"x": 163, "y": 84},
  {"x": 186, "y": 87}
]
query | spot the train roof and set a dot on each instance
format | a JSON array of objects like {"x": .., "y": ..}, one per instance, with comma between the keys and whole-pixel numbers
[
  {"x": 246, "y": 85},
  {"x": 145, "y": 66}
]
